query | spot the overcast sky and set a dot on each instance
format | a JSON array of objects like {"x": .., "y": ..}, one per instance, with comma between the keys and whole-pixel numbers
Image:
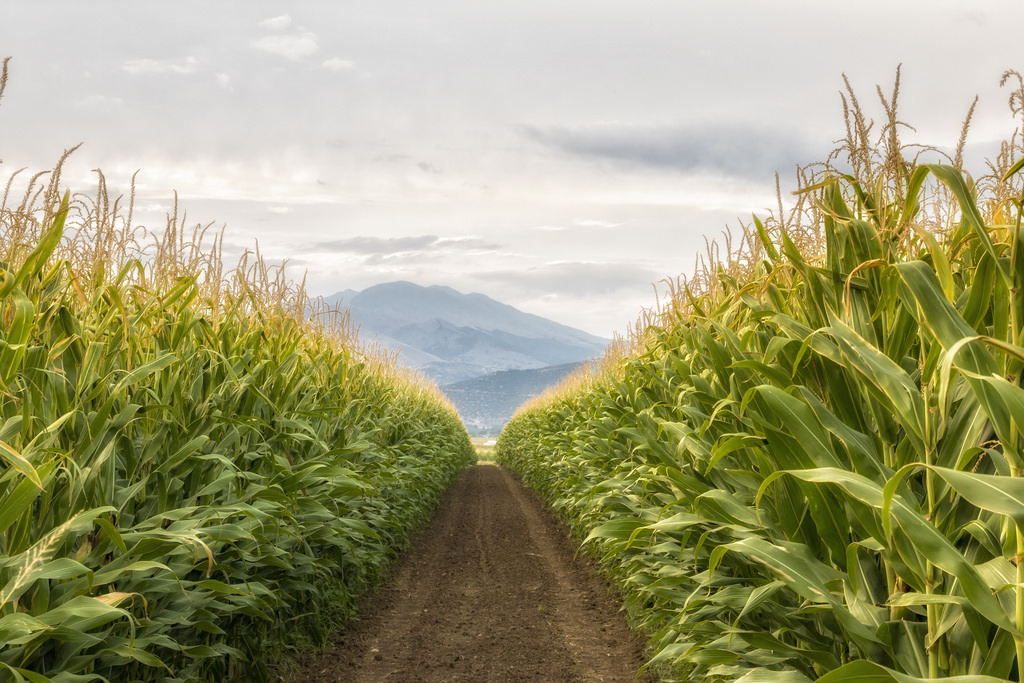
[{"x": 560, "y": 156}]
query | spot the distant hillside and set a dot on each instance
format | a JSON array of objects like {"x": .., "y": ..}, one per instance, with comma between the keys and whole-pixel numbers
[
  {"x": 452, "y": 336},
  {"x": 487, "y": 403}
]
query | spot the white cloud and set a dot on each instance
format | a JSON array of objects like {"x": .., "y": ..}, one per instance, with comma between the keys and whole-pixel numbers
[
  {"x": 135, "y": 67},
  {"x": 415, "y": 245},
  {"x": 276, "y": 23},
  {"x": 294, "y": 47},
  {"x": 336, "y": 64},
  {"x": 467, "y": 243},
  {"x": 99, "y": 102},
  {"x": 152, "y": 207},
  {"x": 577, "y": 278},
  {"x": 224, "y": 79}
]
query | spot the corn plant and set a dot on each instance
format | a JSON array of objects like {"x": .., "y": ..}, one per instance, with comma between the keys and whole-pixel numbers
[
  {"x": 810, "y": 468},
  {"x": 195, "y": 476}
]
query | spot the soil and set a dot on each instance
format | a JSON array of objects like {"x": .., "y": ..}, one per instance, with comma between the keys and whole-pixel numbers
[{"x": 491, "y": 591}]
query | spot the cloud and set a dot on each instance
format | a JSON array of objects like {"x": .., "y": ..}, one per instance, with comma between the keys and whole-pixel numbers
[
  {"x": 136, "y": 67},
  {"x": 153, "y": 207},
  {"x": 295, "y": 47},
  {"x": 577, "y": 278},
  {"x": 745, "y": 150},
  {"x": 383, "y": 247},
  {"x": 973, "y": 16},
  {"x": 391, "y": 158},
  {"x": 276, "y": 23},
  {"x": 335, "y": 64},
  {"x": 377, "y": 245},
  {"x": 467, "y": 244},
  {"x": 99, "y": 102},
  {"x": 586, "y": 223}
]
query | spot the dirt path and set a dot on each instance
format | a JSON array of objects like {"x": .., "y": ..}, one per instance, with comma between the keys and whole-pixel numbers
[{"x": 490, "y": 592}]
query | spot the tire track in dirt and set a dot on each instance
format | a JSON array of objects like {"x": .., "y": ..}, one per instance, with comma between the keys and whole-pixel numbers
[{"x": 489, "y": 592}]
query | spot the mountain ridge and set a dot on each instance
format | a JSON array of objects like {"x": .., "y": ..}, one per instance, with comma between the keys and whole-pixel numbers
[
  {"x": 451, "y": 336},
  {"x": 487, "y": 403}
]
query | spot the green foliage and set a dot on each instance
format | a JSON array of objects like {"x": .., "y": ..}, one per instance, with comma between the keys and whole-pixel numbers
[
  {"x": 814, "y": 470},
  {"x": 193, "y": 480}
]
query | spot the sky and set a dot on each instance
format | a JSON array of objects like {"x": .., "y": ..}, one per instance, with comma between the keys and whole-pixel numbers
[{"x": 561, "y": 156}]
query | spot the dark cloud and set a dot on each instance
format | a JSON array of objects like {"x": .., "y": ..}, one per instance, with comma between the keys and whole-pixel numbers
[{"x": 732, "y": 149}]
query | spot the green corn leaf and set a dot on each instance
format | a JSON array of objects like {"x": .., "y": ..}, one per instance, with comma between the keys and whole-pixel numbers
[
  {"x": 798, "y": 419},
  {"x": 954, "y": 180},
  {"x": 618, "y": 530},
  {"x": 884, "y": 378},
  {"x": 925, "y": 538},
  {"x": 18, "y": 502},
  {"x": 868, "y": 672},
  {"x": 766, "y": 242},
  {"x": 21, "y": 675},
  {"x": 83, "y": 613},
  {"x": 940, "y": 551},
  {"x": 19, "y": 627},
  {"x": 1002, "y": 495},
  {"x": 912, "y": 599},
  {"x": 769, "y": 676},
  {"x": 138, "y": 654},
  {"x": 15, "y": 460},
  {"x": 942, "y": 318},
  {"x": 756, "y": 598},
  {"x": 804, "y": 574},
  {"x": 142, "y": 372},
  {"x": 37, "y": 258},
  {"x": 112, "y": 572},
  {"x": 15, "y": 343}
]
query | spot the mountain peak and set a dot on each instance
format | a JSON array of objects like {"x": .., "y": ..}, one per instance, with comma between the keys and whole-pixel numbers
[{"x": 452, "y": 336}]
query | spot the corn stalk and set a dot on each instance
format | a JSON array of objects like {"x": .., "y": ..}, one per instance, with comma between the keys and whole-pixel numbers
[
  {"x": 195, "y": 477},
  {"x": 811, "y": 470}
]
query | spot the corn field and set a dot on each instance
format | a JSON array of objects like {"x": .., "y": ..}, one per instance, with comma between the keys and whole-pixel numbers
[
  {"x": 197, "y": 474},
  {"x": 809, "y": 464}
]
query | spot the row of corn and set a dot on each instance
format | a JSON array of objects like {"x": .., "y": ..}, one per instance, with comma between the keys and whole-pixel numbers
[
  {"x": 814, "y": 469},
  {"x": 195, "y": 476}
]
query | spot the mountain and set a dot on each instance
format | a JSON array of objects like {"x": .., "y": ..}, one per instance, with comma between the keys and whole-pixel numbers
[
  {"x": 486, "y": 403},
  {"x": 451, "y": 336}
]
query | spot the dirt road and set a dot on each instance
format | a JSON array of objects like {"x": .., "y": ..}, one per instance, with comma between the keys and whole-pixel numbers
[{"x": 489, "y": 592}]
